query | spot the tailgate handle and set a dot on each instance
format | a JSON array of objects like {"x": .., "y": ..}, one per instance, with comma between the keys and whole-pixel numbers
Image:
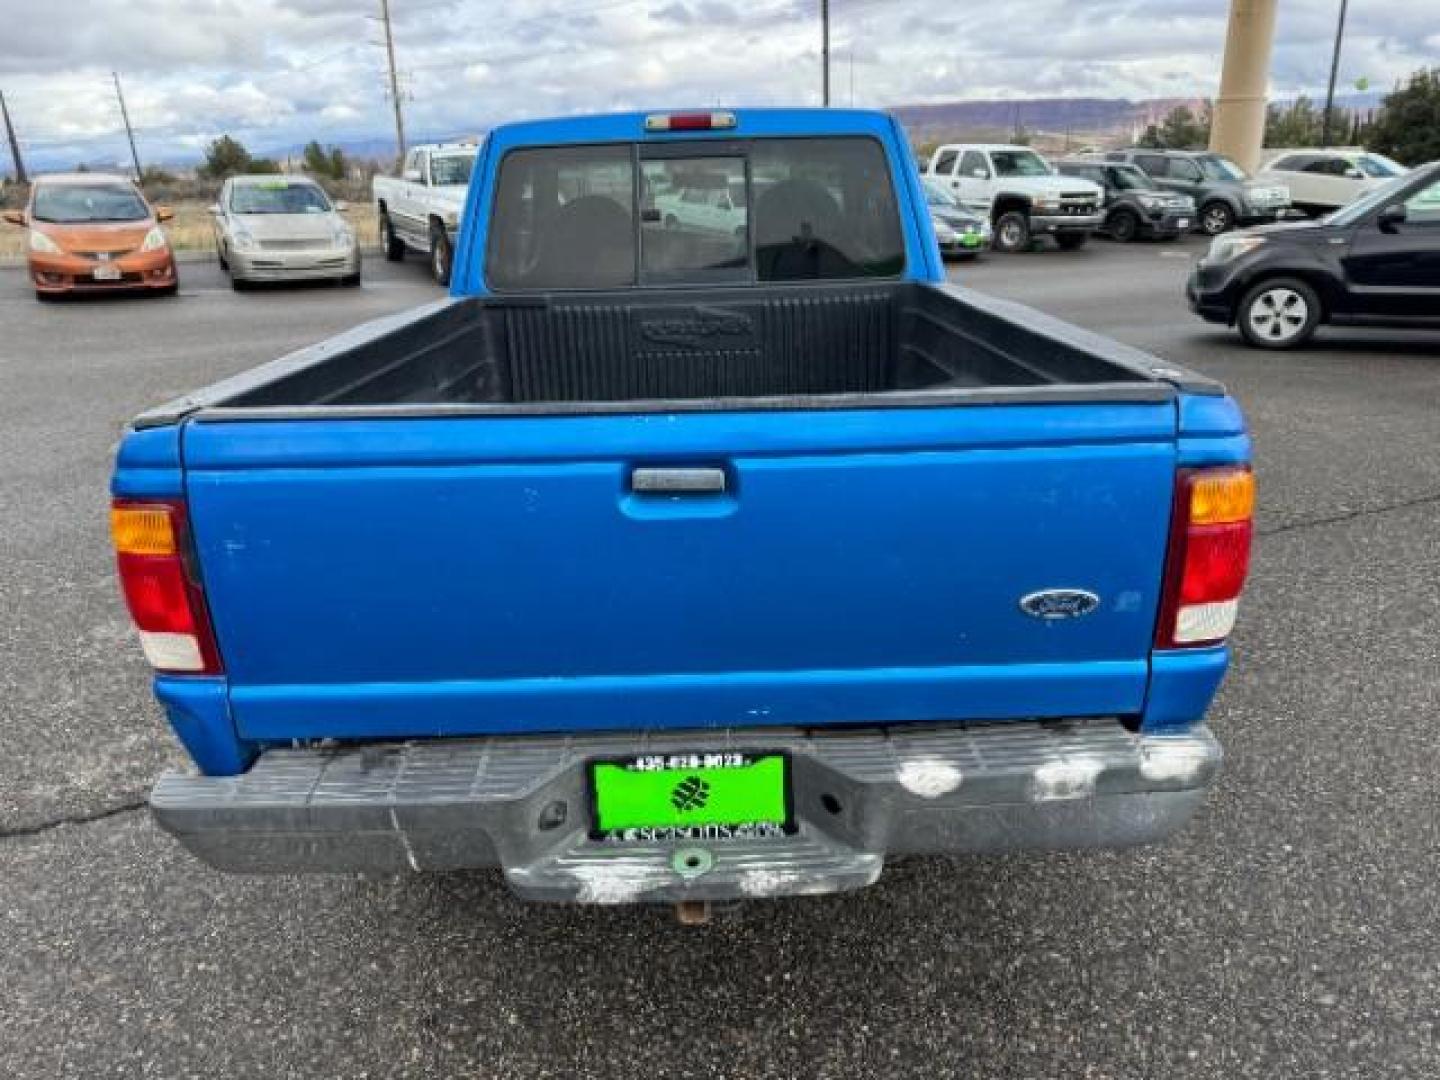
[{"x": 705, "y": 481}]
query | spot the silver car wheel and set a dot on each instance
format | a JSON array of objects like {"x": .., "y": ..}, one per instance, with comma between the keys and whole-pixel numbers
[{"x": 1278, "y": 315}]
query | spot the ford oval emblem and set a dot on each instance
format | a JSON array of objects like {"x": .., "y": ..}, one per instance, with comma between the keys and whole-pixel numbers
[{"x": 1059, "y": 603}]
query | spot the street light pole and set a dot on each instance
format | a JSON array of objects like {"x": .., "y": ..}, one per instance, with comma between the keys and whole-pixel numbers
[
  {"x": 1334, "y": 71},
  {"x": 825, "y": 51}
]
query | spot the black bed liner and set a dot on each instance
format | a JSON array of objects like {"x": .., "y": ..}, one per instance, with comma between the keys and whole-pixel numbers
[{"x": 797, "y": 347}]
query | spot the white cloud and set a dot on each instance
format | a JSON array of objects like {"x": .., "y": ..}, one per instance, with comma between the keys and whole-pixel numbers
[{"x": 277, "y": 73}]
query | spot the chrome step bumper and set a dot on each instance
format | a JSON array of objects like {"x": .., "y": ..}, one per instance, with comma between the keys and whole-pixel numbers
[{"x": 522, "y": 803}]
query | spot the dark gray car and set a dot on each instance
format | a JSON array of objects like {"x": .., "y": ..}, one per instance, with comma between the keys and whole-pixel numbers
[
  {"x": 1135, "y": 208},
  {"x": 1224, "y": 192}
]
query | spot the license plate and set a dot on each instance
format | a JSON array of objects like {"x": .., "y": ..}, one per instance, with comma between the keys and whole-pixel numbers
[
  {"x": 1182, "y": 223},
  {"x": 691, "y": 796},
  {"x": 971, "y": 240},
  {"x": 107, "y": 273}
]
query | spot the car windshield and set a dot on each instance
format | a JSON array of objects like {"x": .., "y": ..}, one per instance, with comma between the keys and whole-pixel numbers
[
  {"x": 69, "y": 203},
  {"x": 1379, "y": 166},
  {"x": 1130, "y": 178},
  {"x": 936, "y": 194},
  {"x": 278, "y": 197},
  {"x": 1348, "y": 215},
  {"x": 1220, "y": 168},
  {"x": 1019, "y": 163},
  {"x": 451, "y": 169}
]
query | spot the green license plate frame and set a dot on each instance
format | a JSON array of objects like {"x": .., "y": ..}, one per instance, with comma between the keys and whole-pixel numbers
[{"x": 695, "y": 795}]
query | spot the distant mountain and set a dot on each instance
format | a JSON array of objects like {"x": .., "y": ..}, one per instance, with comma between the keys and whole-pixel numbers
[
  {"x": 1083, "y": 118},
  {"x": 957, "y": 119}
]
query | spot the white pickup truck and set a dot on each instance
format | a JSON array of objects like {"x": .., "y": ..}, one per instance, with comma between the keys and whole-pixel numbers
[
  {"x": 420, "y": 209},
  {"x": 1021, "y": 194}
]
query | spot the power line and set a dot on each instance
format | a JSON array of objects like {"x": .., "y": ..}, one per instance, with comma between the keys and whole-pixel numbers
[{"x": 129, "y": 132}]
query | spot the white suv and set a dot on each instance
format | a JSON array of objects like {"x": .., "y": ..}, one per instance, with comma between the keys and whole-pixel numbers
[
  {"x": 1325, "y": 180},
  {"x": 1021, "y": 193}
]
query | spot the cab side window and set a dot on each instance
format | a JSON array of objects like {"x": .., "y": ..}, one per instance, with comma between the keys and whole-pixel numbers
[
  {"x": 1181, "y": 169},
  {"x": 972, "y": 162},
  {"x": 1328, "y": 167},
  {"x": 945, "y": 163},
  {"x": 1154, "y": 164}
]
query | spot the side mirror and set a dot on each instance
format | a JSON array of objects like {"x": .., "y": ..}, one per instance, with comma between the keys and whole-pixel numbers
[
  {"x": 1354, "y": 174},
  {"x": 16, "y": 217},
  {"x": 164, "y": 213},
  {"x": 980, "y": 174},
  {"x": 1392, "y": 217},
  {"x": 341, "y": 206},
  {"x": 411, "y": 176},
  {"x": 213, "y": 209}
]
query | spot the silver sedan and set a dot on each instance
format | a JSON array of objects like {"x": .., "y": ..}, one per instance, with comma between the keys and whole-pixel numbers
[{"x": 282, "y": 228}]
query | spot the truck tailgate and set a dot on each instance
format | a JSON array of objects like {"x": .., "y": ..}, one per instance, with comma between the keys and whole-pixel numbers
[{"x": 422, "y": 576}]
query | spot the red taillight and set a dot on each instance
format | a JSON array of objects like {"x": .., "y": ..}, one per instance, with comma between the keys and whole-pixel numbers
[
  {"x": 164, "y": 599},
  {"x": 1210, "y": 534},
  {"x": 696, "y": 121}
]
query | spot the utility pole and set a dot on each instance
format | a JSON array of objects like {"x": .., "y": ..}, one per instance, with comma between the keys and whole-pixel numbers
[
  {"x": 129, "y": 132},
  {"x": 14, "y": 143},
  {"x": 394, "y": 80},
  {"x": 825, "y": 49},
  {"x": 1334, "y": 70}
]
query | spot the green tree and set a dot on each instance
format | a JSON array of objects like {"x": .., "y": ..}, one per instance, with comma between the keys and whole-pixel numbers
[
  {"x": 1183, "y": 130},
  {"x": 1407, "y": 128},
  {"x": 225, "y": 157},
  {"x": 263, "y": 165},
  {"x": 1297, "y": 124},
  {"x": 1152, "y": 139},
  {"x": 331, "y": 163}
]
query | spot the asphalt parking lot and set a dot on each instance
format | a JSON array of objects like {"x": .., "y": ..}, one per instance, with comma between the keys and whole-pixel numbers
[{"x": 1292, "y": 932}]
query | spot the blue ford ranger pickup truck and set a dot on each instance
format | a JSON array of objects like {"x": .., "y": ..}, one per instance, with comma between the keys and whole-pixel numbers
[{"x": 683, "y": 556}]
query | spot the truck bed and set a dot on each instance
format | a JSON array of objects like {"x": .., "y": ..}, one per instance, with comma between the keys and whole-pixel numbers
[{"x": 792, "y": 347}]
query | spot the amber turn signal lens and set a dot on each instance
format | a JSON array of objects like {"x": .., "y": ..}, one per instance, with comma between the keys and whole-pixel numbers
[
  {"x": 143, "y": 530},
  {"x": 1222, "y": 496}
]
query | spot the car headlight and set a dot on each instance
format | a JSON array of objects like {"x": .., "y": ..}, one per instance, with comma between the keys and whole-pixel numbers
[
  {"x": 340, "y": 235},
  {"x": 1149, "y": 202},
  {"x": 241, "y": 239},
  {"x": 154, "y": 240},
  {"x": 1224, "y": 249},
  {"x": 943, "y": 231},
  {"x": 1047, "y": 204},
  {"x": 42, "y": 243}
]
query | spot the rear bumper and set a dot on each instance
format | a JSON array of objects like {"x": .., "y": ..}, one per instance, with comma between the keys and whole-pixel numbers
[{"x": 859, "y": 795}]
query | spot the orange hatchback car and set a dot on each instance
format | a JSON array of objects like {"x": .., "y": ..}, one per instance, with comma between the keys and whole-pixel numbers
[{"x": 90, "y": 232}]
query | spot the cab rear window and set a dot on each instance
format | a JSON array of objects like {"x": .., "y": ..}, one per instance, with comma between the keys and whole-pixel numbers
[{"x": 595, "y": 217}]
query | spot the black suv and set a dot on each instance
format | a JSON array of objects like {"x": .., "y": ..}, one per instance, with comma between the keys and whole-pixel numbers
[
  {"x": 1134, "y": 206},
  {"x": 1221, "y": 189},
  {"x": 1375, "y": 262}
]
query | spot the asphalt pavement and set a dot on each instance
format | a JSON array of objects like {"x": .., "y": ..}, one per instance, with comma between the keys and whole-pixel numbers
[{"x": 1291, "y": 932}]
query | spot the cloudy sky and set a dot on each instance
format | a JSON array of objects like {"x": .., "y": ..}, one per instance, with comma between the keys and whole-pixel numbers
[{"x": 279, "y": 72}]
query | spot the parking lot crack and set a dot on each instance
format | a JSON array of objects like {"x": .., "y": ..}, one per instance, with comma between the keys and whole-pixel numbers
[
  {"x": 102, "y": 814},
  {"x": 1430, "y": 499}
]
